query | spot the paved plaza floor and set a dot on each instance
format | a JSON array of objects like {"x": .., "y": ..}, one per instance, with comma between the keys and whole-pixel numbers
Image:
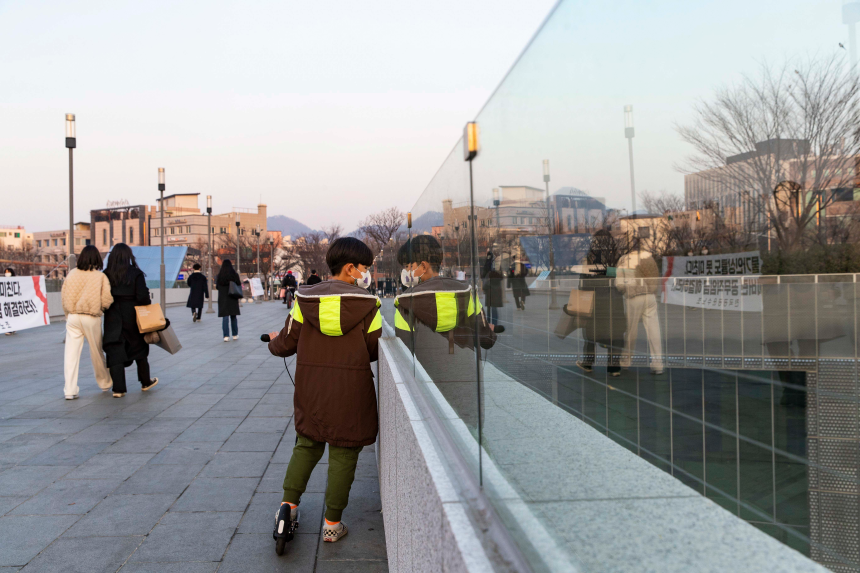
[{"x": 184, "y": 478}]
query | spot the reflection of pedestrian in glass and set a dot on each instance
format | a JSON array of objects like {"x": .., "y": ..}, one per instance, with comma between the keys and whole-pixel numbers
[
  {"x": 639, "y": 291},
  {"x": 494, "y": 292},
  {"x": 517, "y": 282},
  {"x": 607, "y": 325}
]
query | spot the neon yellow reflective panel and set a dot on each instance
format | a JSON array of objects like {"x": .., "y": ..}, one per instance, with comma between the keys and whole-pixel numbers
[
  {"x": 446, "y": 311},
  {"x": 376, "y": 324},
  {"x": 472, "y": 300},
  {"x": 297, "y": 312},
  {"x": 400, "y": 322},
  {"x": 330, "y": 315}
]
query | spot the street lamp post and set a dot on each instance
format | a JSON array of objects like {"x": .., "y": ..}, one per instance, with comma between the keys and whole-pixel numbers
[
  {"x": 71, "y": 143},
  {"x": 257, "y": 232},
  {"x": 161, "y": 187},
  {"x": 629, "y": 133},
  {"x": 271, "y": 276},
  {"x": 209, "y": 258},
  {"x": 238, "y": 251},
  {"x": 553, "y": 304}
]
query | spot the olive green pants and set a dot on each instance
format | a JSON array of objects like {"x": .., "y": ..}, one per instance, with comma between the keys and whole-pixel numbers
[{"x": 341, "y": 474}]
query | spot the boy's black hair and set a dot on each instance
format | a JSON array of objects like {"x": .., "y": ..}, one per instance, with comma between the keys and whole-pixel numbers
[
  {"x": 423, "y": 248},
  {"x": 90, "y": 259},
  {"x": 196, "y": 266},
  {"x": 313, "y": 271},
  {"x": 347, "y": 250}
]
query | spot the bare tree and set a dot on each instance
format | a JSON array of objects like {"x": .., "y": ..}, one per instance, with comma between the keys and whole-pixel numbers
[
  {"x": 779, "y": 145},
  {"x": 661, "y": 201},
  {"x": 377, "y": 229}
]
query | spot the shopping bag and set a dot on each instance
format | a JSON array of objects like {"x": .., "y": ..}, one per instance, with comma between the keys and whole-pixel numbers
[
  {"x": 149, "y": 318},
  {"x": 165, "y": 339},
  {"x": 235, "y": 291},
  {"x": 580, "y": 303},
  {"x": 566, "y": 325}
]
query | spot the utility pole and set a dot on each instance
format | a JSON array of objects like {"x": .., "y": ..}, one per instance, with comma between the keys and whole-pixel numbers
[
  {"x": 71, "y": 143},
  {"x": 550, "y": 221},
  {"x": 238, "y": 251},
  {"x": 210, "y": 278},
  {"x": 629, "y": 133},
  {"x": 161, "y": 291},
  {"x": 257, "y": 232}
]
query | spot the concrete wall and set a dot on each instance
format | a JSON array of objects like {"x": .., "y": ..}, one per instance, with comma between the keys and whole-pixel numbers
[{"x": 426, "y": 524}]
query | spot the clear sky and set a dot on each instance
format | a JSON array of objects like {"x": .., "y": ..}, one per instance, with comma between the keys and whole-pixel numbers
[{"x": 327, "y": 110}]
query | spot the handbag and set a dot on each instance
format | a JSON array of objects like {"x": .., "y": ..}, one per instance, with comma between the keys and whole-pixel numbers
[
  {"x": 234, "y": 291},
  {"x": 580, "y": 303},
  {"x": 149, "y": 318}
]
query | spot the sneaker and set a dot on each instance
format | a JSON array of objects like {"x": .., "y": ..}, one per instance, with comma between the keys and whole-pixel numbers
[
  {"x": 118, "y": 394},
  {"x": 236, "y": 337},
  {"x": 149, "y": 386},
  {"x": 656, "y": 371},
  {"x": 71, "y": 397},
  {"x": 498, "y": 329},
  {"x": 332, "y": 533},
  {"x": 226, "y": 339},
  {"x": 616, "y": 374},
  {"x": 584, "y": 366}
]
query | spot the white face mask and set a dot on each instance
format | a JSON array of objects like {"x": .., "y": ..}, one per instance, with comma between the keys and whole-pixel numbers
[
  {"x": 364, "y": 281},
  {"x": 408, "y": 278},
  {"x": 8, "y": 274}
]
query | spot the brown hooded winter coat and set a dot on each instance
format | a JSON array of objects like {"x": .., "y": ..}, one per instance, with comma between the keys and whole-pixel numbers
[{"x": 334, "y": 331}]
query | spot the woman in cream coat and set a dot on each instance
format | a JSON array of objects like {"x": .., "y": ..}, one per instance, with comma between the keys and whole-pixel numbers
[{"x": 86, "y": 293}]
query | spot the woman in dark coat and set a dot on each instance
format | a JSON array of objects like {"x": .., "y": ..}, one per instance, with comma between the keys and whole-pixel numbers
[
  {"x": 199, "y": 286},
  {"x": 494, "y": 292},
  {"x": 123, "y": 343},
  {"x": 608, "y": 323},
  {"x": 227, "y": 305},
  {"x": 517, "y": 283}
]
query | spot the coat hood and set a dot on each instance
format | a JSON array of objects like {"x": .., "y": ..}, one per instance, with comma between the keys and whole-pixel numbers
[{"x": 333, "y": 307}]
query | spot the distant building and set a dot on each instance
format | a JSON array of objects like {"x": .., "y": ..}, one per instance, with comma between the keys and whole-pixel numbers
[
  {"x": 124, "y": 224},
  {"x": 52, "y": 246},
  {"x": 16, "y": 238}
]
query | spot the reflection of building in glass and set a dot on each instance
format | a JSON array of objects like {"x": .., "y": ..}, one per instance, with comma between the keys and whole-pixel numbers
[{"x": 742, "y": 191}]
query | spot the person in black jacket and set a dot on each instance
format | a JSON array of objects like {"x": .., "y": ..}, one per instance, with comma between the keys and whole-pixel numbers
[
  {"x": 199, "y": 286},
  {"x": 494, "y": 292},
  {"x": 314, "y": 278},
  {"x": 290, "y": 287},
  {"x": 123, "y": 343},
  {"x": 227, "y": 305}
]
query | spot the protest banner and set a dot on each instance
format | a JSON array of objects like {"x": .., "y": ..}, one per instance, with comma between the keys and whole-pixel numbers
[
  {"x": 728, "y": 281},
  {"x": 256, "y": 287},
  {"x": 23, "y": 303}
]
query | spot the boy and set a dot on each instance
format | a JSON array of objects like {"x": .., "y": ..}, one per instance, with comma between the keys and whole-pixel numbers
[{"x": 334, "y": 331}]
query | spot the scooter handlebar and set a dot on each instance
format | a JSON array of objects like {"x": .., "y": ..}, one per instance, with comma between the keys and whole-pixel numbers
[{"x": 265, "y": 338}]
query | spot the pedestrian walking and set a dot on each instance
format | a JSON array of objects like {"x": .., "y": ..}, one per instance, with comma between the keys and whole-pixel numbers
[
  {"x": 228, "y": 307},
  {"x": 199, "y": 287},
  {"x": 123, "y": 342},
  {"x": 494, "y": 292},
  {"x": 517, "y": 282},
  {"x": 639, "y": 291},
  {"x": 335, "y": 327},
  {"x": 86, "y": 294}
]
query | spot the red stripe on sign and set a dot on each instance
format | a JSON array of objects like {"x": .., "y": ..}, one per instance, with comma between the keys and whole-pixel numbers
[
  {"x": 670, "y": 263},
  {"x": 42, "y": 297}
]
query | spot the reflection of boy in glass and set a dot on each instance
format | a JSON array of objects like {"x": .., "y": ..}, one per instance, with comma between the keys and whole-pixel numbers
[{"x": 436, "y": 319}]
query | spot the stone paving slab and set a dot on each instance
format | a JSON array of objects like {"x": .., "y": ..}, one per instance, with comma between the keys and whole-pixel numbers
[{"x": 185, "y": 478}]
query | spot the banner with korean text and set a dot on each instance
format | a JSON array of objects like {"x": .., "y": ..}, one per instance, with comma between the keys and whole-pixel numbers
[
  {"x": 727, "y": 281},
  {"x": 23, "y": 303}
]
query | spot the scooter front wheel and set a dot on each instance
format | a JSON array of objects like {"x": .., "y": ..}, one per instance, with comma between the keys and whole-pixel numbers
[{"x": 280, "y": 544}]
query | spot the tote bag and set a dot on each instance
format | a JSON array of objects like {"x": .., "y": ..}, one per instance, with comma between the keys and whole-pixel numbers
[{"x": 235, "y": 291}]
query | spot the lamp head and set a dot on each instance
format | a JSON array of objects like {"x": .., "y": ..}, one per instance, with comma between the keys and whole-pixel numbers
[
  {"x": 209, "y": 204},
  {"x": 161, "y": 185},
  {"x": 71, "y": 140}
]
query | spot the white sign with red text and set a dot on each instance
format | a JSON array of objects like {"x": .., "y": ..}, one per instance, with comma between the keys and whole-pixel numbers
[
  {"x": 728, "y": 281},
  {"x": 23, "y": 303}
]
